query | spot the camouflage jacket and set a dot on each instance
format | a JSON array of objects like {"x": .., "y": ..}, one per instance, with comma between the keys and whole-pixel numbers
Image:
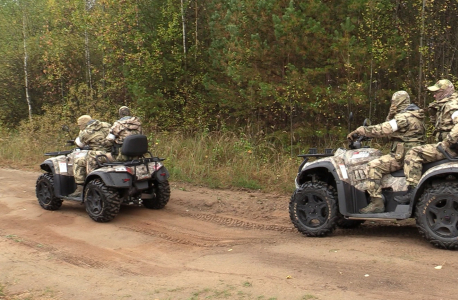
[
  {"x": 123, "y": 128},
  {"x": 406, "y": 128},
  {"x": 94, "y": 136},
  {"x": 451, "y": 139},
  {"x": 441, "y": 114}
]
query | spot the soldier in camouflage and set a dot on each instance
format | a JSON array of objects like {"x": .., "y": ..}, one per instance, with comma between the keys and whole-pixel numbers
[
  {"x": 122, "y": 128},
  {"x": 442, "y": 108},
  {"x": 444, "y": 111},
  {"x": 92, "y": 134},
  {"x": 406, "y": 129}
]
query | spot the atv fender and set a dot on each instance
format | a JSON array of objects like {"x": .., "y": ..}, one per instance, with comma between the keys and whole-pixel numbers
[
  {"x": 47, "y": 166},
  {"x": 63, "y": 185},
  {"x": 436, "y": 172},
  {"x": 112, "y": 179},
  {"x": 162, "y": 174}
]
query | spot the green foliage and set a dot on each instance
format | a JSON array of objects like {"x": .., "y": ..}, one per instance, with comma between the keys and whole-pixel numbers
[{"x": 298, "y": 67}]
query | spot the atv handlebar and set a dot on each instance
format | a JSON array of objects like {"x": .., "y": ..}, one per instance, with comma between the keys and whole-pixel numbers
[{"x": 357, "y": 144}]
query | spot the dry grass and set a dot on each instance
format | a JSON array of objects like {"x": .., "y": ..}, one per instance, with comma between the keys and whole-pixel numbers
[
  {"x": 213, "y": 159},
  {"x": 217, "y": 160},
  {"x": 224, "y": 160}
]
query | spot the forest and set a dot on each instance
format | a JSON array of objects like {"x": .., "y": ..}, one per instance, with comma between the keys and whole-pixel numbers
[{"x": 287, "y": 70}]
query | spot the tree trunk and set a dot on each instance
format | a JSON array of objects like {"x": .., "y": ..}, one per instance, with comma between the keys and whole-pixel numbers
[
  {"x": 184, "y": 27},
  {"x": 24, "y": 37},
  {"x": 420, "y": 67},
  {"x": 86, "y": 48}
]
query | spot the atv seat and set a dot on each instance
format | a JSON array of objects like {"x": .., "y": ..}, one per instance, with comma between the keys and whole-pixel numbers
[{"x": 426, "y": 167}]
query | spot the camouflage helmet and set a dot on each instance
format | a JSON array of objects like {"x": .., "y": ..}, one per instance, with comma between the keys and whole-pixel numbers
[
  {"x": 399, "y": 101},
  {"x": 124, "y": 111},
  {"x": 442, "y": 84},
  {"x": 83, "y": 120}
]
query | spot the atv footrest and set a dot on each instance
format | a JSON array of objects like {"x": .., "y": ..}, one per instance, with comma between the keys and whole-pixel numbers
[
  {"x": 78, "y": 199},
  {"x": 381, "y": 216}
]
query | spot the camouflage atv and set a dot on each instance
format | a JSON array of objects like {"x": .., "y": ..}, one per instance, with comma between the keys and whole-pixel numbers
[
  {"x": 142, "y": 181},
  {"x": 331, "y": 190}
]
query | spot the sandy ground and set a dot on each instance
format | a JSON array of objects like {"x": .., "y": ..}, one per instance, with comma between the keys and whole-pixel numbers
[{"x": 207, "y": 244}]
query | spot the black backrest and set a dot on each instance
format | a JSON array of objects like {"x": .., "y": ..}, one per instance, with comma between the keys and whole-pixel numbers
[{"x": 135, "y": 145}]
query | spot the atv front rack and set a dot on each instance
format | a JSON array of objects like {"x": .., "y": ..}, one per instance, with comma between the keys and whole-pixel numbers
[
  {"x": 65, "y": 152},
  {"x": 313, "y": 153}
]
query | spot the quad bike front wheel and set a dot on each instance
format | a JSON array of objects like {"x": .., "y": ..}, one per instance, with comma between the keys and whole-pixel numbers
[
  {"x": 437, "y": 215},
  {"x": 45, "y": 192},
  {"x": 313, "y": 209},
  {"x": 102, "y": 203},
  {"x": 161, "y": 195}
]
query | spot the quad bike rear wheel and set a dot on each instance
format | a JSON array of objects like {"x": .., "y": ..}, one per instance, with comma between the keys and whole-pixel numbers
[
  {"x": 102, "y": 202},
  {"x": 313, "y": 209},
  {"x": 161, "y": 196},
  {"x": 45, "y": 192},
  {"x": 437, "y": 215}
]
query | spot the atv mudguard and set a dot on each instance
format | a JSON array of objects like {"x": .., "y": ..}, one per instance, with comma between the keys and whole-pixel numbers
[
  {"x": 342, "y": 187},
  {"x": 437, "y": 172},
  {"x": 47, "y": 166},
  {"x": 162, "y": 174},
  {"x": 111, "y": 179},
  {"x": 63, "y": 185}
]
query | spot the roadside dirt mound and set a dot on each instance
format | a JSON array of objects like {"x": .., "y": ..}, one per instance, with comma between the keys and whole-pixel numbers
[{"x": 206, "y": 244}]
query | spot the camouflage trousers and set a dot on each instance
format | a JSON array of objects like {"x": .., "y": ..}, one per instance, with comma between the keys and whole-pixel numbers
[
  {"x": 85, "y": 164},
  {"x": 377, "y": 168},
  {"x": 419, "y": 155},
  {"x": 122, "y": 157}
]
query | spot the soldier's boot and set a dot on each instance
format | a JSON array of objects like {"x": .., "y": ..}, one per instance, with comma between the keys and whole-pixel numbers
[
  {"x": 405, "y": 199},
  {"x": 77, "y": 192},
  {"x": 376, "y": 206}
]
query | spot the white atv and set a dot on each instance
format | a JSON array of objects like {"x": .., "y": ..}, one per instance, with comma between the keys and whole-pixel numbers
[
  {"x": 142, "y": 181},
  {"x": 331, "y": 190}
]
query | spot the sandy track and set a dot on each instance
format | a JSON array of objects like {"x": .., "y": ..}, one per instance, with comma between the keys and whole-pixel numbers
[{"x": 206, "y": 244}]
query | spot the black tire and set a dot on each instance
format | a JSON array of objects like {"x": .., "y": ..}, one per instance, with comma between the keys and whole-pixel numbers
[
  {"x": 44, "y": 190},
  {"x": 346, "y": 223},
  {"x": 313, "y": 209},
  {"x": 161, "y": 191},
  {"x": 102, "y": 203},
  {"x": 437, "y": 215}
]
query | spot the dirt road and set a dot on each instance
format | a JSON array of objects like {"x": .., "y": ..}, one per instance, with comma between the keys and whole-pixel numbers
[{"x": 207, "y": 244}]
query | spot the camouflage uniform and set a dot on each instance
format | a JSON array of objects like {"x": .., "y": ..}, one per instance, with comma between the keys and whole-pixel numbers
[
  {"x": 93, "y": 136},
  {"x": 406, "y": 129},
  {"x": 445, "y": 111},
  {"x": 121, "y": 129},
  {"x": 441, "y": 115}
]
